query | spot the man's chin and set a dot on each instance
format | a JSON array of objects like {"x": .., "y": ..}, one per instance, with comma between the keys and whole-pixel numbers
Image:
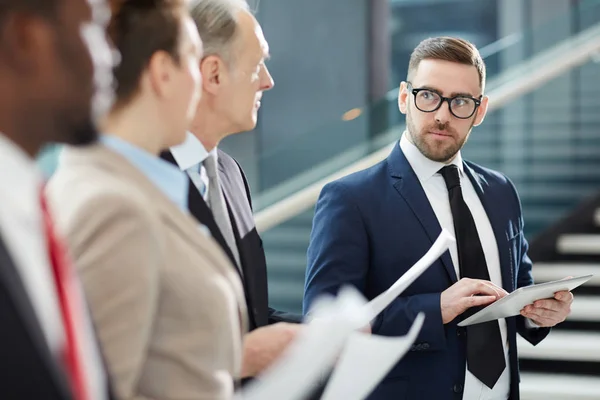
[
  {"x": 247, "y": 126},
  {"x": 439, "y": 154}
]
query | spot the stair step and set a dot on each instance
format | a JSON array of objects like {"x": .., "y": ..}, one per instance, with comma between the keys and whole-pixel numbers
[
  {"x": 563, "y": 346},
  {"x": 287, "y": 261},
  {"x": 286, "y": 295},
  {"x": 538, "y": 386},
  {"x": 588, "y": 244},
  {"x": 546, "y": 272},
  {"x": 585, "y": 308}
]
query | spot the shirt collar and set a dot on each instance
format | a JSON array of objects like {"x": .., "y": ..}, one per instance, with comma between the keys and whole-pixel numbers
[
  {"x": 424, "y": 167},
  {"x": 20, "y": 180},
  {"x": 191, "y": 152},
  {"x": 161, "y": 173}
]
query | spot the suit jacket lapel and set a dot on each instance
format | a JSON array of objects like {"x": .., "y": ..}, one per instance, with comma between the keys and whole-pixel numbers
[
  {"x": 199, "y": 209},
  {"x": 11, "y": 283},
  {"x": 480, "y": 185},
  {"x": 236, "y": 233},
  {"x": 230, "y": 201},
  {"x": 407, "y": 184}
]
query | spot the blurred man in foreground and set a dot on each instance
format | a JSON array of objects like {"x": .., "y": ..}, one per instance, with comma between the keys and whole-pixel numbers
[{"x": 50, "y": 82}]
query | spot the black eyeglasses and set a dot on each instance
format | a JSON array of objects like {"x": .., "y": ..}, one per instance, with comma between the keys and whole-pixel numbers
[{"x": 461, "y": 107}]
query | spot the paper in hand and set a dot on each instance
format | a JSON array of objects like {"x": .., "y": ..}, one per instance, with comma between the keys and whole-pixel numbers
[
  {"x": 312, "y": 355},
  {"x": 379, "y": 303}
]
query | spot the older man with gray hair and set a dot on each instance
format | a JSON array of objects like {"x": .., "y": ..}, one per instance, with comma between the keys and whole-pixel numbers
[{"x": 234, "y": 77}]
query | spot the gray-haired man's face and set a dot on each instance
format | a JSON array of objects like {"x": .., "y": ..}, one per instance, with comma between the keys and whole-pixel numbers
[{"x": 248, "y": 77}]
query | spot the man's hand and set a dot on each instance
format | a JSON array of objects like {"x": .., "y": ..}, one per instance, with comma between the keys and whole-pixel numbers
[
  {"x": 366, "y": 329},
  {"x": 264, "y": 345},
  {"x": 468, "y": 293},
  {"x": 549, "y": 312}
]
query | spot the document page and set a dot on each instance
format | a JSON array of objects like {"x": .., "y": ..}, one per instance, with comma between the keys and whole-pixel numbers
[{"x": 366, "y": 360}]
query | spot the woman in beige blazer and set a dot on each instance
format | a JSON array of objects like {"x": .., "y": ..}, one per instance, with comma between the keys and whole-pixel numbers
[{"x": 168, "y": 307}]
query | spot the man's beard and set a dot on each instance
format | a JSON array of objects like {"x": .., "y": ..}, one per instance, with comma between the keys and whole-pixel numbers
[
  {"x": 78, "y": 119},
  {"x": 438, "y": 154}
]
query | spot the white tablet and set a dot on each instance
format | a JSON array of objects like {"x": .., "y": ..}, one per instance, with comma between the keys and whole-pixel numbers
[{"x": 512, "y": 304}]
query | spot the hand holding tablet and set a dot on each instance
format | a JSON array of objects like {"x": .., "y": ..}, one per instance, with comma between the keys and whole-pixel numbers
[{"x": 512, "y": 304}]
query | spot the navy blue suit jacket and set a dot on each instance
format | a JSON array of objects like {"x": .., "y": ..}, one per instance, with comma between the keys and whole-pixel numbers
[{"x": 371, "y": 226}]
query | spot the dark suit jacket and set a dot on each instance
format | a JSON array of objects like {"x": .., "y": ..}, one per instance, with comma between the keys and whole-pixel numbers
[
  {"x": 370, "y": 227},
  {"x": 250, "y": 247},
  {"x": 29, "y": 370}
]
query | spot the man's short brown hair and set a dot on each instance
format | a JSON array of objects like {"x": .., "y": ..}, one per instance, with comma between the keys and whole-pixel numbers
[
  {"x": 447, "y": 49},
  {"x": 138, "y": 29}
]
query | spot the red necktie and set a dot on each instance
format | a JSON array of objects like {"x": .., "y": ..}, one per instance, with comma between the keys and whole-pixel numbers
[{"x": 66, "y": 290}]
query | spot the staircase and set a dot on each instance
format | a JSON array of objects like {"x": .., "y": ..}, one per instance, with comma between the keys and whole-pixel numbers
[
  {"x": 566, "y": 365},
  {"x": 286, "y": 247}
]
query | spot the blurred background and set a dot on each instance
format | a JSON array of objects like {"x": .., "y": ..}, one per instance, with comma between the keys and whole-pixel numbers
[{"x": 337, "y": 65}]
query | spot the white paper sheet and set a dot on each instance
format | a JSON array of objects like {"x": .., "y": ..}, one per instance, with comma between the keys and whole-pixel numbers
[
  {"x": 379, "y": 303},
  {"x": 312, "y": 355},
  {"x": 366, "y": 360}
]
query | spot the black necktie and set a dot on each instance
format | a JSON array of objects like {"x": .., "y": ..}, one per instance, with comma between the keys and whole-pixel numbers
[{"x": 485, "y": 353}]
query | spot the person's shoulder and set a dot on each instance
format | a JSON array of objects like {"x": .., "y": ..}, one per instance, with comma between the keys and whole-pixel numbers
[
  {"x": 228, "y": 163},
  {"x": 500, "y": 184},
  {"x": 491, "y": 176},
  {"x": 361, "y": 180},
  {"x": 83, "y": 193}
]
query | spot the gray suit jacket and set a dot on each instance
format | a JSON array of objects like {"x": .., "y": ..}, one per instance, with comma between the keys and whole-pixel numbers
[{"x": 168, "y": 306}]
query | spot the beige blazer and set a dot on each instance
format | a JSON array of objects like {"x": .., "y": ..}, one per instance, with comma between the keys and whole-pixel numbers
[{"x": 168, "y": 306}]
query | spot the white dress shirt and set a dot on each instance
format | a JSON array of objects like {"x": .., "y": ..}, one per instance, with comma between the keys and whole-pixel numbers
[
  {"x": 22, "y": 230},
  {"x": 437, "y": 193},
  {"x": 191, "y": 153}
]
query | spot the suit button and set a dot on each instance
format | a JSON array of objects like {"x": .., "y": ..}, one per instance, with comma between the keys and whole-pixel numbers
[
  {"x": 425, "y": 346},
  {"x": 458, "y": 388}
]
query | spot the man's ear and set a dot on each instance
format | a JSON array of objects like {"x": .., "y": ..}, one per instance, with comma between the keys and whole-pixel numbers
[
  {"x": 214, "y": 72},
  {"x": 27, "y": 42},
  {"x": 403, "y": 97},
  {"x": 481, "y": 111}
]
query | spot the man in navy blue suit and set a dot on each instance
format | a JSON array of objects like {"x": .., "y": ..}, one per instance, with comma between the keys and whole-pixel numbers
[{"x": 371, "y": 226}]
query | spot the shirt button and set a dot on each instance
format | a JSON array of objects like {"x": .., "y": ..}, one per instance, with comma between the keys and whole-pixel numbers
[
  {"x": 460, "y": 331},
  {"x": 458, "y": 388}
]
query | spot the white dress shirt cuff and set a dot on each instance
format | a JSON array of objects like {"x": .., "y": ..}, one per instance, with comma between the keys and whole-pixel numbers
[{"x": 529, "y": 324}]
